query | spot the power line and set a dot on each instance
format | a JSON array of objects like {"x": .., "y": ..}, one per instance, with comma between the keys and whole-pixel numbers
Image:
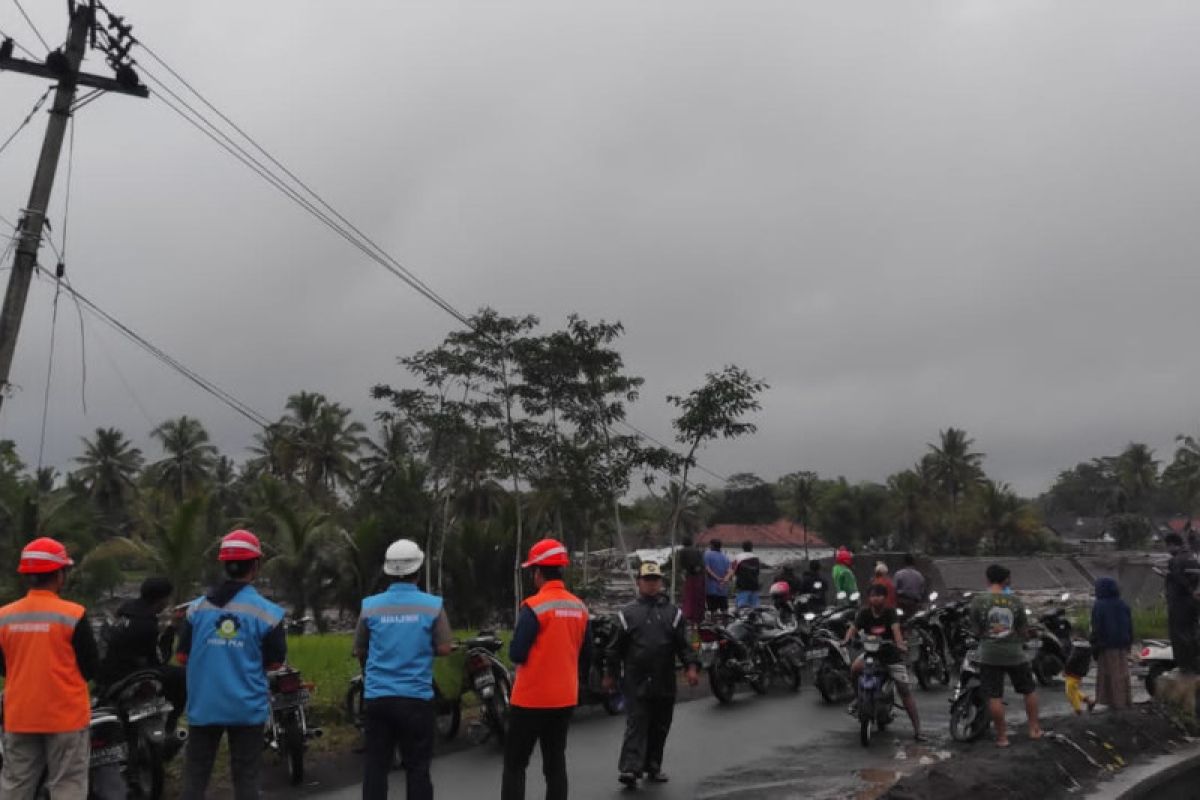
[
  {"x": 19, "y": 46},
  {"x": 28, "y": 118},
  {"x": 36, "y": 32},
  {"x": 330, "y": 217}
]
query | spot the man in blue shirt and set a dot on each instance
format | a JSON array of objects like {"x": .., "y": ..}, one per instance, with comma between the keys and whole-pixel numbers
[
  {"x": 228, "y": 641},
  {"x": 399, "y": 632},
  {"x": 716, "y": 578}
]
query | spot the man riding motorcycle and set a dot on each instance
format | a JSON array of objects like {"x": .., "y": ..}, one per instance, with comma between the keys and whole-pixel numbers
[
  {"x": 133, "y": 645},
  {"x": 879, "y": 620}
]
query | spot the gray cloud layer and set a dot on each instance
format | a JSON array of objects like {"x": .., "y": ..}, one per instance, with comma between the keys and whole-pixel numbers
[{"x": 903, "y": 215}]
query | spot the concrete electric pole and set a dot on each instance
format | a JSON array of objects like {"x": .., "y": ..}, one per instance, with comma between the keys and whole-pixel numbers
[{"x": 63, "y": 66}]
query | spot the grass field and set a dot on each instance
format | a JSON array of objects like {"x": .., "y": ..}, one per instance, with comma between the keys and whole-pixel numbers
[
  {"x": 326, "y": 660},
  {"x": 1148, "y": 623}
]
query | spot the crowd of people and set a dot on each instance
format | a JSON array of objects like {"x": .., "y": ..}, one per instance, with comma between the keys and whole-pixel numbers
[{"x": 226, "y": 641}]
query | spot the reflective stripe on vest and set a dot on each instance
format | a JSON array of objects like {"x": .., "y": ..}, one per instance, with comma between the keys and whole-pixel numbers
[
  {"x": 549, "y": 678},
  {"x": 44, "y": 691},
  {"x": 226, "y": 676},
  {"x": 400, "y": 625}
]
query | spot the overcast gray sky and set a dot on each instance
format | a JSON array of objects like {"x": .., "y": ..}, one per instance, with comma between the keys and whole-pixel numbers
[{"x": 903, "y": 215}]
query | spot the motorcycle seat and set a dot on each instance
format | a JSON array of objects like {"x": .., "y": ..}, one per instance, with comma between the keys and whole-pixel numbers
[
  {"x": 133, "y": 678},
  {"x": 490, "y": 643}
]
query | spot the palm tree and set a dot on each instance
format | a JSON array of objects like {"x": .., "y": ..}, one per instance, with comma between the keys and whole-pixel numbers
[
  {"x": 955, "y": 467},
  {"x": 1004, "y": 517},
  {"x": 108, "y": 468},
  {"x": 309, "y": 552},
  {"x": 190, "y": 456},
  {"x": 909, "y": 497},
  {"x": 173, "y": 548},
  {"x": 331, "y": 446},
  {"x": 1183, "y": 475},
  {"x": 1137, "y": 473}
]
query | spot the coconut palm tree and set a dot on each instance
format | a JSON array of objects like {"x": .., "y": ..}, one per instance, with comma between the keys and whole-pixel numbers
[
  {"x": 190, "y": 456},
  {"x": 1137, "y": 474},
  {"x": 955, "y": 467},
  {"x": 108, "y": 468},
  {"x": 1183, "y": 474}
]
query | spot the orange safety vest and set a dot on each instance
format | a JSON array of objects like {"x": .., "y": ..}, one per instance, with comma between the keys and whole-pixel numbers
[
  {"x": 44, "y": 692},
  {"x": 549, "y": 678}
]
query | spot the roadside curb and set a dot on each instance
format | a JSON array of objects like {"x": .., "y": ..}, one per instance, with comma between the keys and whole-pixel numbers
[{"x": 1143, "y": 780}]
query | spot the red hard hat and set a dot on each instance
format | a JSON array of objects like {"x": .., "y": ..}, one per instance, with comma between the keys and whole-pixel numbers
[
  {"x": 43, "y": 555},
  {"x": 240, "y": 546},
  {"x": 845, "y": 557},
  {"x": 547, "y": 553}
]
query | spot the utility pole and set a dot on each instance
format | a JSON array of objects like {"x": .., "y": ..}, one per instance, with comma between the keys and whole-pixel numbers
[{"x": 63, "y": 67}]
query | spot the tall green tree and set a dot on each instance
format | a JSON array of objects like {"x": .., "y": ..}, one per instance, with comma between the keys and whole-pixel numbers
[
  {"x": 108, "y": 470},
  {"x": 189, "y": 456}
]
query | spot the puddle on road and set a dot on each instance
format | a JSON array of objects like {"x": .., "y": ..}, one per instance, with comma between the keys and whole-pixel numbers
[{"x": 878, "y": 782}]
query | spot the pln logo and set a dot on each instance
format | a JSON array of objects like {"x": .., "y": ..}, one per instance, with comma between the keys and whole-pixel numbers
[{"x": 227, "y": 627}]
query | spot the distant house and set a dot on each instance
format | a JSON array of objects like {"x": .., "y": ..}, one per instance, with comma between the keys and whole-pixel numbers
[
  {"x": 1084, "y": 534},
  {"x": 774, "y": 544}
]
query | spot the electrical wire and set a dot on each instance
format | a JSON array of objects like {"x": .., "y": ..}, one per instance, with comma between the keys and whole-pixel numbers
[
  {"x": 206, "y": 385},
  {"x": 36, "y": 32},
  {"x": 49, "y": 374},
  {"x": 28, "y": 118}
]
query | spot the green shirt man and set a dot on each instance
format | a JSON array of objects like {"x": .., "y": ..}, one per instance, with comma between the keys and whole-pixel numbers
[
  {"x": 1001, "y": 621},
  {"x": 843, "y": 577}
]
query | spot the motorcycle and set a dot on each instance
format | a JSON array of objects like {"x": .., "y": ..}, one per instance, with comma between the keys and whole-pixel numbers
[
  {"x": 951, "y": 626},
  {"x": 448, "y": 712},
  {"x": 778, "y": 648},
  {"x": 107, "y": 759},
  {"x": 591, "y": 688},
  {"x": 288, "y": 730},
  {"x": 1155, "y": 658},
  {"x": 140, "y": 702},
  {"x": 1052, "y": 636},
  {"x": 727, "y": 656},
  {"x": 925, "y": 650},
  {"x": 487, "y": 676},
  {"x": 969, "y": 717},
  {"x": 876, "y": 690}
]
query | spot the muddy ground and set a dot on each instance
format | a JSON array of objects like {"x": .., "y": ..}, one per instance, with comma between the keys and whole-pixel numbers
[{"x": 1078, "y": 752}]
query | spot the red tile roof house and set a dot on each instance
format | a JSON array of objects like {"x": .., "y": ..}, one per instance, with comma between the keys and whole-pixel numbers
[{"x": 774, "y": 544}]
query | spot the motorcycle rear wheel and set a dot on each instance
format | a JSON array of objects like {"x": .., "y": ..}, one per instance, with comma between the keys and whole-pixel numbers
[
  {"x": 865, "y": 727},
  {"x": 498, "y": 706},
  {"x": 1046, "y": 668},
  {"x": 293, "y": 748},
  {"x": 721, "y": 681},
  {"x": 1153, "y": 676},
  {"x": 144, "y": 773}
]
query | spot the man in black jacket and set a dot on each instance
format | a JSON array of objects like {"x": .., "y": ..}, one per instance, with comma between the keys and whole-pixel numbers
[
  {"x": 813, "y": 585},
  {"x": 133, "y": 645},
  {"x": 651, "y": 635},
  {"x": 1180, "y": 588}
]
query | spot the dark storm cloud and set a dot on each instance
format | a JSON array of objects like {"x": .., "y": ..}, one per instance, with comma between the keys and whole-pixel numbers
[{"x": 903, "y": 215}]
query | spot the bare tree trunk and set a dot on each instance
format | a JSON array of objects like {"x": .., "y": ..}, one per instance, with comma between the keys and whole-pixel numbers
[{"x": 680, "y": 500}]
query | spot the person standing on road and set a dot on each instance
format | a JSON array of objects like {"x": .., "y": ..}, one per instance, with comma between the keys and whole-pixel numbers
[
  {"x": 47, "y": 655},
  {"x": 1112, "y": 636},
  {"x": 691, "y": 563},
  {"x": 1181, "y": 582},
  {"x": 910, "y": 587},
  {"x": 399, "y": 632},
  {"x": 228, "y": 641},
  {"x": 551, "y": 647},
  {"x": 717, "y": 572},
  {"x": 813, "y": 585},
  {"x": 1001, "y": 622},
  {"x": 843, "y": 576},
  {"x": 652, "y": 635},
  {"x": 746, "y": 569},
  {"x": 879, "y": 620}
]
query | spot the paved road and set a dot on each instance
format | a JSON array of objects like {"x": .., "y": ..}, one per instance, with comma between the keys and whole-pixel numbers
[{"x": 779, "y": 746}]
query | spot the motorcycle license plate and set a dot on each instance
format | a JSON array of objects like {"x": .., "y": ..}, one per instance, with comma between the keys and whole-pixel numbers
[
  {"x": 708, "y": 653},
  {"x": 1033, "y": 644},
  {"x": 109, "y": 755},
  {"x": 816, "y": 654},
  {"x": 289, "y": 700},
  {"x": 138, "y": 713}
]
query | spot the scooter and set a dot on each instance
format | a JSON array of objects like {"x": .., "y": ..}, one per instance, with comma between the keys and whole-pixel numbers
[
  {"x": 926, "y": 652},
  {"x": 1052, "y": 636},
  {"x": 969, "y": 717},
  {"x": 876, "y": 690}
]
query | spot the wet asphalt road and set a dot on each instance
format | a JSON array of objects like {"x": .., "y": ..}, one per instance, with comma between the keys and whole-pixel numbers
[{"x": 778, "y": 746}]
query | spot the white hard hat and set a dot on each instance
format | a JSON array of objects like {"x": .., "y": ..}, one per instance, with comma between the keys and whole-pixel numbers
[{"x": 403, "y": 557}]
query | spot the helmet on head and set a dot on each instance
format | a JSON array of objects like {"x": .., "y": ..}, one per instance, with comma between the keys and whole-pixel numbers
[
  {"x": 42, "y": 556},
  {"x": 780, "y": 589},
  {"x": 403, "y": 557},
  {"x": 547, "y": 553},
  {"x": 240, "y": 546},
  {"x": 844, "y": 557}
]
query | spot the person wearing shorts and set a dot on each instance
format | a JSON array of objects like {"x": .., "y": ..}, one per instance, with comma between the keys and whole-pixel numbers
[
  {"x": 879, "y": 620},
  {"x": 1001, "y": 621}
]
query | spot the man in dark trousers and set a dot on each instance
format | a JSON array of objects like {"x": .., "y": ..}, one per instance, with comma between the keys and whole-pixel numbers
[
  {"x": 1181, "y": 582},
  {"x": 551, "y": 647},
  {"x": 652, "y": 634}
]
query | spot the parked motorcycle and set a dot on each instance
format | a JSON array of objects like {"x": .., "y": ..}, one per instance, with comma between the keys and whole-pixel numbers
[
  {"x": 487, "y": 676},
  {"x": 951, "y": 625},
  {"x": 448, "y": 712},
  {"x": 288, "y": 730},
  {"x": 591, "y": 690},
  {"x": 876, "y": 690},
  {"x": 726, "y": 653},
  {"x": 969, "y": 717},
  {"x": 831, "y": 660},
  {"x": 926, "y": 653},
  {"x": 778, "y": 648},
  {"x": 140, "y": 701},
  {"x": 1155, "y": 658},
  {"x": 109, "y": 753},
  {"x": 1051, "y": 638}
]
